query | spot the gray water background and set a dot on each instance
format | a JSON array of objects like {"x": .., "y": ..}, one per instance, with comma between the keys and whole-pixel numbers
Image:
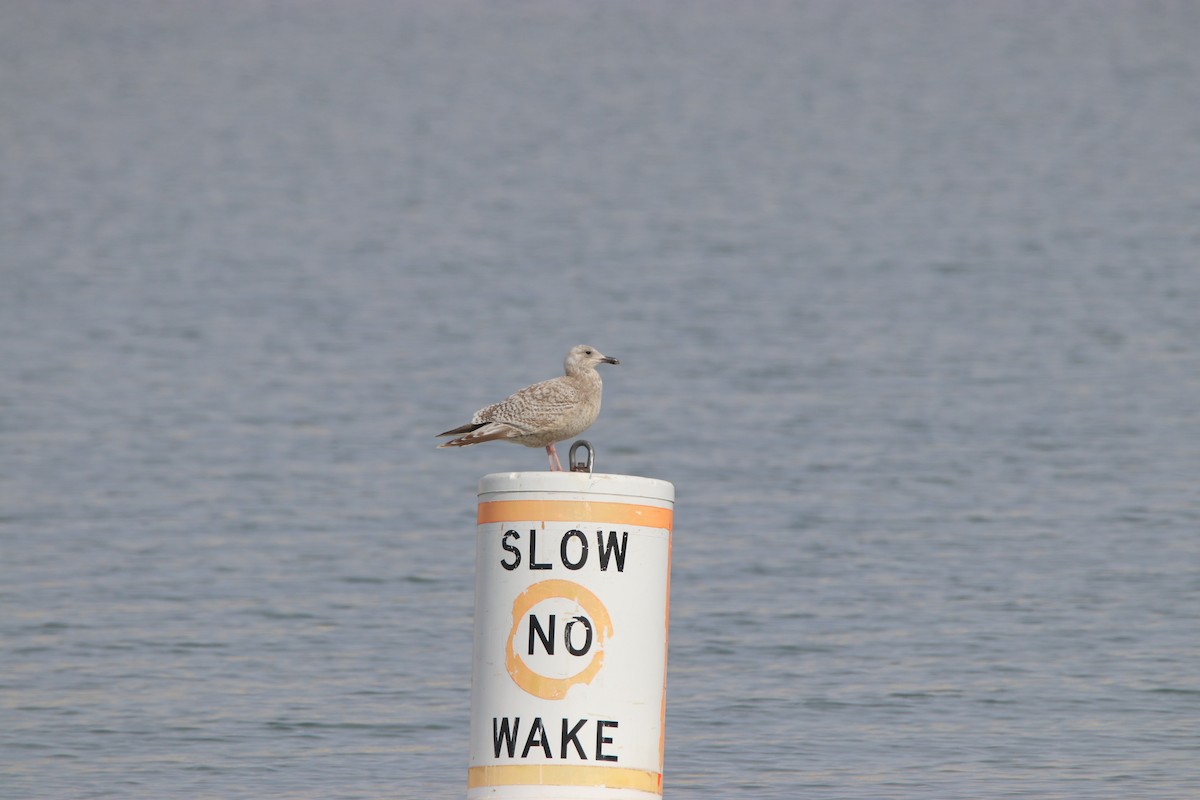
[{"x": 907, "y": 300}]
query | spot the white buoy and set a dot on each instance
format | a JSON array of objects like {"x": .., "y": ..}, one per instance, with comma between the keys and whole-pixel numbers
[{"x": 572, "y": 576}]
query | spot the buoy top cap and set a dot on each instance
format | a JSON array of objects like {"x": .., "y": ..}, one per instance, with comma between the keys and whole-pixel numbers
[{"x": 577, "y": 483}]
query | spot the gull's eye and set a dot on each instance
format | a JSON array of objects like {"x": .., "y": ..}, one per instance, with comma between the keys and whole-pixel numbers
[{"x": 587, "y": 352}]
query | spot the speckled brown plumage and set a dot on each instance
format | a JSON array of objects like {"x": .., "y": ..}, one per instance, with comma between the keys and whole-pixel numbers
[{"x": 544, "y": 413}]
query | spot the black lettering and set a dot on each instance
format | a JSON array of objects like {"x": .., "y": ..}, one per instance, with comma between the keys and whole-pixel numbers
[
  {"x": 607, "y": 552},
  {"x": 547, "y": 637},
  {"x": 583, "y": 549},
  {"x": 511, "y": 549},
  {"x": 601, "y": 739},
  {"x": 587, "y": 642},
  {"x": 503, "y": 735},
  {"x": 572, "y": 736},
  {"x": 533, "y": 562},
  {"x": 537, "y": 735}
]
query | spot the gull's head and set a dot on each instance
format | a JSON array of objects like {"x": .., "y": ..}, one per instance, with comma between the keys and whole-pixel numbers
[{"x": 584, "y": 356}]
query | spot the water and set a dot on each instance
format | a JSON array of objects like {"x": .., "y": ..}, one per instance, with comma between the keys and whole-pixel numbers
[{"x": 905, "y": 297}]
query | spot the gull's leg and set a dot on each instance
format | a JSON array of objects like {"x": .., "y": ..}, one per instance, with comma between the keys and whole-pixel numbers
[{"x": 555, "y": 466}]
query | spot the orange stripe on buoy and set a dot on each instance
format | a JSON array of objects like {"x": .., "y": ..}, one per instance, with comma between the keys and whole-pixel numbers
[
  {"x": 564, "y": 775},
  {"x": 575, "y": 511},
  {"x": 662, "y": 714}
]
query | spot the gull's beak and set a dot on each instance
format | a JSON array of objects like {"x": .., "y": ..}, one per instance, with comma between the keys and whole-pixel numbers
[{"x": 607, "y": 360}]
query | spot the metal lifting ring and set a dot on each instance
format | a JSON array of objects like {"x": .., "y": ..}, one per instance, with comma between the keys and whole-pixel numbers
[{"x": 585, "y": 466}]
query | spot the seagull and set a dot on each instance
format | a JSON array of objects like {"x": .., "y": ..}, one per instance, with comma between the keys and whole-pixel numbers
[{"x": 544, "y": 413}]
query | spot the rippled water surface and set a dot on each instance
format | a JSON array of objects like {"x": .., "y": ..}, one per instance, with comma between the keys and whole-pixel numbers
[{"x": 907, "y": 302}]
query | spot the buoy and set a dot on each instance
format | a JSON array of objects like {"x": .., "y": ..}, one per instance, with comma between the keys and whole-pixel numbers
[{"x": 568, "y": 679}]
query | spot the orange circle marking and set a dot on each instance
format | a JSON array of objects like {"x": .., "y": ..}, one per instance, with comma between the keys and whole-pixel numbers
[{"x": 540, "y": 685}]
